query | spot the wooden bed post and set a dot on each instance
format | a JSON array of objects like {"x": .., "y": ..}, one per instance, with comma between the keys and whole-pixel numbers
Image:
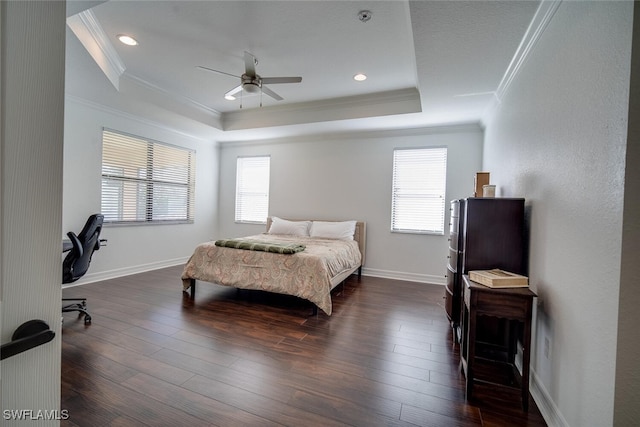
[{"x": 193, "y": 288}]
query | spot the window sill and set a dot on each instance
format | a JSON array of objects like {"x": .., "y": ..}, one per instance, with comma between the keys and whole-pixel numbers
[{"x": 144, "y": 223}]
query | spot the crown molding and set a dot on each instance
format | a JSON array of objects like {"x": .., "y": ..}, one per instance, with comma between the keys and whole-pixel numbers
[
  {"x": 151, "y": 87},
  {"x": 538, "y": 25},
  {"x": 402, "y": 101},
  {"x": 359, "y": 134},
  {"x": 541, "y": 19},
  {"x": 399, "y": 95},
  {"x": 88, "y": 30},
  {"x": 135, "y": 118}
]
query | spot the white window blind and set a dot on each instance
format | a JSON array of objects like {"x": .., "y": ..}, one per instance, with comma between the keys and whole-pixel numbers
[
  {"x": 145, "y": 181},
  {"x": 418, "y": 194},
  {"x": 252, "y": 189}
]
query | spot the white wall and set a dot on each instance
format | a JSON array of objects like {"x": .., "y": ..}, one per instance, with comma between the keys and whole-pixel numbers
[
  {"x": 349, "y": 177},
  {"x": 131, "y": 249},
  {"x": 558, "y": 139}
]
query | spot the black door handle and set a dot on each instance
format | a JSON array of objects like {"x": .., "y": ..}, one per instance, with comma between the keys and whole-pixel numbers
[{"x": 27, "y": 336}]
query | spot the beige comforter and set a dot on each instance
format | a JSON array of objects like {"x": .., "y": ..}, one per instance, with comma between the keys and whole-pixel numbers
[{"x": 306, "y": 274}]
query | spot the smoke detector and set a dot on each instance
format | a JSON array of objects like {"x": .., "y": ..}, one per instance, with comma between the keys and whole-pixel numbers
[{"x": 364, "y": 15}]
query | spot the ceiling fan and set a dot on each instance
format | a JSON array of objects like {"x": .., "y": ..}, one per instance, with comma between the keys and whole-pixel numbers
[{"x": 251, "y": 82}]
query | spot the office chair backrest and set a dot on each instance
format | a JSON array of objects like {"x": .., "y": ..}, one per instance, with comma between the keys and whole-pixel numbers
[{"x": 76, "y": 263}]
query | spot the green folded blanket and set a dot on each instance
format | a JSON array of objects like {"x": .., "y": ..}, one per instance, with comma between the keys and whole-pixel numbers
[{"x": 256, "y": 245}]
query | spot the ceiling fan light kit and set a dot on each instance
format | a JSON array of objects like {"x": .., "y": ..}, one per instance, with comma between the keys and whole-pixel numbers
[{"x": 251, "y": 84}]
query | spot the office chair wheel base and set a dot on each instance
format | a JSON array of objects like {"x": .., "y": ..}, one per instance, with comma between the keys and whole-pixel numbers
[{"x": 87, "y": 319}]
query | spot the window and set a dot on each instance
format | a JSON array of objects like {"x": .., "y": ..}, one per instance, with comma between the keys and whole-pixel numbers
[
  {"x": 252, "y": 189},
  {"x": 145, "y": 181},
  {"x": 419, "y": 183}
]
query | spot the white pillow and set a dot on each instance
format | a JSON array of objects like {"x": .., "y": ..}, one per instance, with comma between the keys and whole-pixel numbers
[
  {"x": 333, "y": 230},
  {"x": 295, "y": 228}
]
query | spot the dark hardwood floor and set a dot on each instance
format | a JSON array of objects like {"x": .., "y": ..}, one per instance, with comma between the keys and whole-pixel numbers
[{"x": 154, "y": 357}]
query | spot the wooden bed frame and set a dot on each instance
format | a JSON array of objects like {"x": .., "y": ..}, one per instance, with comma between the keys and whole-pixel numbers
[{"x": 359, "y": 235}]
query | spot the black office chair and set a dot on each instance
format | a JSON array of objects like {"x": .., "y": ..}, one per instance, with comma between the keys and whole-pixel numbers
[{"x": 77, "y": 261}]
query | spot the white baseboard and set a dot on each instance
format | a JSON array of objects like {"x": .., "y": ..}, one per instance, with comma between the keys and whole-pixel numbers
[
  {"x": 547, "y": 407},
  {"x": 399, "y": 275},
  {"x": 120, "y": 272}
]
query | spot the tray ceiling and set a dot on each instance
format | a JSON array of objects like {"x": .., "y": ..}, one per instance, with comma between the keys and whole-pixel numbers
[{"x": 427, "y": 63}]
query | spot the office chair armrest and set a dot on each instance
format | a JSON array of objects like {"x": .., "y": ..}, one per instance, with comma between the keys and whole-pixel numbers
[
  {"x": 101, "y": 242},
  {"x": 77, "y": 246}
]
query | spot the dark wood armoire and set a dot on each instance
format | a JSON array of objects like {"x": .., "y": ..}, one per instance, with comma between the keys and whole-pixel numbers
[{"x": 485, "y": 233}]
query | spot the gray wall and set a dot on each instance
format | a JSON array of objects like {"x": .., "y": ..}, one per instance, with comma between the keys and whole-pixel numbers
[
  {"x": 349, "y": 177},
  {"x": 558, "y": 139},
  {"x": 130, "y": 249}
]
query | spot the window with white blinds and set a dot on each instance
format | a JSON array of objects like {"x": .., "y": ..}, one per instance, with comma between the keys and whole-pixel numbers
[
  {"x": 252, "y": 189},
  {"x": 145, "y": 181},
  {"x": 418, "y": 194}
]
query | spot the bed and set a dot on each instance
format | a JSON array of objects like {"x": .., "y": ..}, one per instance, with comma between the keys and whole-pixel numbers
[{"x": 302, "y": 258}]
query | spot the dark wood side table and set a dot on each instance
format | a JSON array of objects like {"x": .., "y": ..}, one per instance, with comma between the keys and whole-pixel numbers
[{"x": 512, "y": 304}]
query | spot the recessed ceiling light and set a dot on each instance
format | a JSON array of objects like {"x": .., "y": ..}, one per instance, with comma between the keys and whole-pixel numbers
[
  {"x": 128, "y": 40},
  {"x": 360, "y": 77}
]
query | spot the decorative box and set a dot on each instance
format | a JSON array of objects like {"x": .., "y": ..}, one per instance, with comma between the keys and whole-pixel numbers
[{"x": 497, "y": 278}]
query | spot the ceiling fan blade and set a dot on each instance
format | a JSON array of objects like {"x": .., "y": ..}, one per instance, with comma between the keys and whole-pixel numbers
[
  {"x": 233, "y": 91},
  {"x": 271, "y": 93},
  {"x": 249, "y": 64},
  {"x": 216, "y": 71},
  {"x": 277, "y": 80}
]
